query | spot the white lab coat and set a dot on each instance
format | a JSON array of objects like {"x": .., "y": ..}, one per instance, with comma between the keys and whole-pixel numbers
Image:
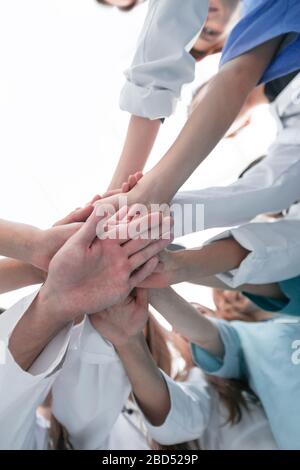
[
  {"x": 90, "y": 389},
  {"x": 162, "y": 62},
  {"x": 271, "y": 186},
  {"x": 21, "y": 392},
  {"x": 94, "y": 376}
]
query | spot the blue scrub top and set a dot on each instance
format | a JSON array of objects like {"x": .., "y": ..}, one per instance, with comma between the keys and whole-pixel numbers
[
  {"x": 266, "y": 356},
  {"x": 262, "y": 21}
]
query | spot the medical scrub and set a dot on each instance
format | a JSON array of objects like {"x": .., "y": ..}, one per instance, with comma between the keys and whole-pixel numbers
[
  {"x": 262, "y": 21},
  {"x": 266, "y": 355}
]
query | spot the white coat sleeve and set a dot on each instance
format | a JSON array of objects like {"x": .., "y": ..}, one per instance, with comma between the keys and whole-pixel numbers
[
  {"x": 162, "y": 63},
  {"x": 270, "y": 186},
  {"x": 190, "y": 411},
  {"x": 91, "y": 391},
  {"x": 22, "y": 392},
  {"x": 274, "y": 252}
]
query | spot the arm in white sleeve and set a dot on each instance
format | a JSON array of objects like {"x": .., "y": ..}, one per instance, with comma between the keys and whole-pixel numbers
[
  {"x": 190, "y": 411},
  {"x": 271, "y": 186},
  {"x": 22, "y": 392},
  {"x": 162, "y": 63},
  {"x": 274, "y": 252},
  {"x": 91, "y": 391}
]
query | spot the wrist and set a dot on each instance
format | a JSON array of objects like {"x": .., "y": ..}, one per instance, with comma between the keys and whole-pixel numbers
[
  {"x": 36, "y": 275},
  {"x": 34, "y": 247},
  {"x": 179, "y": 270},
  {"x": 147, "y": 191},
  {"x": 127, "y": 345},
  {"x": 29, "y": 244},
  {"x": 52, "y": 303}
]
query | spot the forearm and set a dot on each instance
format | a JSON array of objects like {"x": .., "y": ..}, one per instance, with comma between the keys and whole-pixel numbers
[
  {"x": 34, "y": 331},
  {"x": 148, "y": 384},
  {"x": 17, "y": 240},
  {"x": 16, "y": 274},
  {"x": 218, "y": 257},
  {"x": 216, "y": 112},
  {"x": 140, "y": 139},
  {"x": 187, "y": 321}
]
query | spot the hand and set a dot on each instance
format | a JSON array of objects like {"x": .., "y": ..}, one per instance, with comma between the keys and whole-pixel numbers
[
  {"x": 203, "y": 310},
  {"x": 168, "y": 272},
  {"x": 230, "y": 304},
  {"x": 112, "y": 197},
  {"x": 49, "y": 241},
  {"x": 88, "y": 275},
  {"x": 121, "y": 323},
  {"x": 126, "y": 187}
]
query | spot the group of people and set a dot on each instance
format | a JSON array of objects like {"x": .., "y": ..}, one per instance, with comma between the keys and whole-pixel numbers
[{"x": 83, "y": 363}]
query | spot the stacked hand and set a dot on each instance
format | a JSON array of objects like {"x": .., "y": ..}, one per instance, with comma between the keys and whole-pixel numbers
[
  {"x": 45, "y": 243},
  {"x": 88, "y": 275},
  {"x": 121, "y": 323}
]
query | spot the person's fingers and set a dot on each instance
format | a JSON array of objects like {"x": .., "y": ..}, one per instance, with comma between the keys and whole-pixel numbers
[
  {"x": 142, "y": 256},
  {"x": 141, "y": 297},
  {"x": 150, "y": 282},
  {"x": 125, "y": 188},
  {"x": 145, "y": 271},
  {"x": 79, "y": 215},
  {"x": 137, "y": 228},
  {"x": 132, "y": 181},
  {"x": 133, "y": 246},
  {"x": 88, "y": 232},
  {"x": 119, "y": 216},
  {"x": 138, "y": 175},
  {"x": 95, "y": 199},
  {"x": 160, "y": 267},
  {"x": 112, "y": 192}
]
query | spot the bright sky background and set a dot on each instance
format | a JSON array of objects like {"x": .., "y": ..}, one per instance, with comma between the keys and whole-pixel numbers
[{"x": 61, "y": 131}]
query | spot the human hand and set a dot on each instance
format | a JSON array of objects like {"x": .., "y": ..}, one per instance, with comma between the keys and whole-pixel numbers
[
  {"x": 168, "y": 272},
  {"x": 114, "y": 197},
  {"x": 88, "y": 275},
  {"x": 48, "y": 242},
  {"x": 120, "y": 323},
  {"x": 126, "y": 187},
  {"x": 230, "y": 305}
]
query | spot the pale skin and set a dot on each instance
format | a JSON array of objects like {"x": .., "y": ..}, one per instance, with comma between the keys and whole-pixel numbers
[
  {"x": 86, "y": 275},
  {"x": 201, "y": 265},
  {"x": 123, "y": 326},
  {"x": 15, "y": 274},
  {"x": 30, "y": 250}
]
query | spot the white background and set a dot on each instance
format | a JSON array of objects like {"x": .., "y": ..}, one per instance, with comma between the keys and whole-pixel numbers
[{"x": 61, "y": 131}]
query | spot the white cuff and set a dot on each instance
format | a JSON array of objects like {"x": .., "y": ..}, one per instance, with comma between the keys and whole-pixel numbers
[
  {"x": 50, "y": 358},
  {"x": 274, "y": 253},
  {"x": 182, "y": 424},
  {"x": 149, "y": 103}
]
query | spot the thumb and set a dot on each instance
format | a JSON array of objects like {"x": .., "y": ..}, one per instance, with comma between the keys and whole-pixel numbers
[
  {"x": 88, "y": 232},
  {"x": 141, "y": 296}
]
